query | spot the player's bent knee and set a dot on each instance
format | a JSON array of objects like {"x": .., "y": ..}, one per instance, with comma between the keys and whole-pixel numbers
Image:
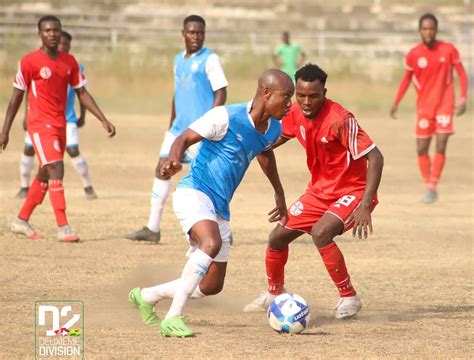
[
  {"x": 214, "y": 289},
  {"x": 321, "y": 235},
  {"x": 29, "y": 151},
  {"x": 275, "y": 240},
  {"x": 73, "y": 151}
]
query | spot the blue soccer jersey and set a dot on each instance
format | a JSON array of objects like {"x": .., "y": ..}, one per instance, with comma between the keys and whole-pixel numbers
[
  {"x": 224, "y": 156},
  {"x": 195, "y": 80},
  {"x": 70, "y": 113}
]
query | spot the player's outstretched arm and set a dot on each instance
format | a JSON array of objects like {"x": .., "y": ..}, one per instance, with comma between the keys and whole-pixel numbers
[
  {"x": 87, "y": 100},
  {"x": 361, "y": 216},
  {"x": 401, "y": 91},
  {"x": 173, "y": 164},
  {"x": 13, "y": 106},
  {"x": 267, "y": 162},
  {"x": 281, "y": 140},
  {"x": 461, "y": 103}
]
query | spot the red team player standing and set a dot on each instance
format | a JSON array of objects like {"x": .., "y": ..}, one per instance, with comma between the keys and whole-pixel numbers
[
  {"x": 45, "y": 74},
  {"x": 429, "y": 66},
  {"x": 346, "y": 168}
]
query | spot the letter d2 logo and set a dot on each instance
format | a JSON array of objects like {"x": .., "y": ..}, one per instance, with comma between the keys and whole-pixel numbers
[{"x": 59, "y": 328}]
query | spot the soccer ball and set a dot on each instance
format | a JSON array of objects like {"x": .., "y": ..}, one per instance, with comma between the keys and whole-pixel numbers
[{"x": 288, "y": 313}]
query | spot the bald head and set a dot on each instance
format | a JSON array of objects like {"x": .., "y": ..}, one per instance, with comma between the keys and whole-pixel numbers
[
  {"x": 274, "y": 79},
  {"x": 274, "y": 92}
]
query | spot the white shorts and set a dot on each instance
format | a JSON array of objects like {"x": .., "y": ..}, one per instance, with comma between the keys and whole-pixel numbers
[
  {"x": 72, "y": 136},
  {"x": 166, "y": 147},
  {"x": 192, "y": 206}
]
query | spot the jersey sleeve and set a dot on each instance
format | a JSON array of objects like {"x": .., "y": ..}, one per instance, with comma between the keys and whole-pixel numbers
[
  {"x": 288, "y": 126},
  {"x": 212, "y": 125},
  {"x": 455, "y": 57},
  {"x": 76, "y": 79},
  {"x": 353, "y": 137},
  {"x": 215, "y": 72},
  {"x": 23, "y": 76},
  {"x": 410, "y": 61}
]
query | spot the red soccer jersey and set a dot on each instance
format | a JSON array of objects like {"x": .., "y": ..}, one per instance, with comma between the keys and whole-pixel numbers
[
  {"x": 433, "y": 76},
  {"x": 46, "y": 81},
  {"x": 335, "y": 148}
]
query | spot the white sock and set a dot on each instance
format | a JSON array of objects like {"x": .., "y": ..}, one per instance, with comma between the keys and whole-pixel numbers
[
  {"x": 27, "y": 164},
  {"x": 193, "y": 272},
  {"x": 80, "y": 165},
  {"x": 167, "y": 290},
  {"x": 160, "y": 191}
]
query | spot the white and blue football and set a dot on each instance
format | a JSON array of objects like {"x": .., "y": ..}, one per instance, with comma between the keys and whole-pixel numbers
[{"x": 288, "y": 313}]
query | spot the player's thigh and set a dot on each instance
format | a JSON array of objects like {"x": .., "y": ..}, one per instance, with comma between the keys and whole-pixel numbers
[
  {"x": 280, "y": 237},
  {"x": 206, "y": 234},
  {"x": 49, "y": 146},
  {"x": 305, "y": 212}
]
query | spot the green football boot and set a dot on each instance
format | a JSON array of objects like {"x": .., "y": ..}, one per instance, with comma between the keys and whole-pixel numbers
[
  {"x": 175, "y": 327},
  {"x": 146, "y": 310}
]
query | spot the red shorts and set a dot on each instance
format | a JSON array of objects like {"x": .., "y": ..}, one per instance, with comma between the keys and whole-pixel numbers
[
  {"x": 441, "y": 123},
  {"x": 49, "y": 146},
  {"x": 308, "y": 209}
]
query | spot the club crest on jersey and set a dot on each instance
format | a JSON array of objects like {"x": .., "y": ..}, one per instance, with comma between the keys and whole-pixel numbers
[
  {"x": 45, "y": 72},
  {"x": 422, "y": 62},
  {"x": 303, "y": 132},
  {"x": 194, "y": 66},
  {"x": 297, "y": 208},
  {"x": 324, "y": 140}
]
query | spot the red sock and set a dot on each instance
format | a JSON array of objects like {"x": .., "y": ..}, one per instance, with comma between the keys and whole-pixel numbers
[
  {"x": 336, "y": 267},
  {"x": 424, "y": 163},
  {"x": 275, "y": 261},
  {"x": 56, "y": 196},
  {"x": 35, "y": 197},
  {"x": 436, "y": 170}
]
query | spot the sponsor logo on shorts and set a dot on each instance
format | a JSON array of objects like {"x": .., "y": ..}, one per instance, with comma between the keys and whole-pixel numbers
[
  {"x": 297, "y": 208},
  {"x": 423, "y": 124},
  {"x": 422, "y": 62},
  {"x": 45, "y": 72}
]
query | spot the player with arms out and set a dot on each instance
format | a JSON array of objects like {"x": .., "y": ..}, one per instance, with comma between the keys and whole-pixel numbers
[
  {"x": 346, "y": 168},
  {"x": 45, "y": 75},
  {"x": 230, "y": 137},
  {"x": 199, "y": 85},
  {"x": 79, "y": 163},
  {"x": 429, "y": 66}
]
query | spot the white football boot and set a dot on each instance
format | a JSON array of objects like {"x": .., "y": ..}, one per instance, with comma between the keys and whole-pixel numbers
[
  {"x": 261, "y": 303},
  {"x": 348, "y": 307}
]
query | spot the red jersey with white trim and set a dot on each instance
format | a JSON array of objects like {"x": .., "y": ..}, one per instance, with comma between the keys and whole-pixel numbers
[
  {"x": 335, "y": 148},
  {"x": 433, "y": 75},
  {"x": 46, "y": 81}
]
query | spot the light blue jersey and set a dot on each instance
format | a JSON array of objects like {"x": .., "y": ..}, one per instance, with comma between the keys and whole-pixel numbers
[
  {"x": 70, "y": 113},
  {"x": 219, "y": 166},
  {"x": 193, "y": 94}
]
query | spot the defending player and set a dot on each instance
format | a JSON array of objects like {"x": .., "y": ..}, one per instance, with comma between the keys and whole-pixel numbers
[
  {"x": 230, "y": 137},
  {"x": 345, "y": 167},
  {"x": 79, "y": 163},
  {"x": 430, "y": 66},
  {"x": 200, "y": 84},
  {"x": 45, "y": 74}
]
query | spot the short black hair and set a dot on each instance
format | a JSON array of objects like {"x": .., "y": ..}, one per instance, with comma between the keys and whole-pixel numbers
[
  {"x": 310, "y": 73},
  {"x": 66, "y": 35},
  {"x": 48, "y": 18},
  {"x": 194, "y": 18},
  {"x": 428, "y": 16}
]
